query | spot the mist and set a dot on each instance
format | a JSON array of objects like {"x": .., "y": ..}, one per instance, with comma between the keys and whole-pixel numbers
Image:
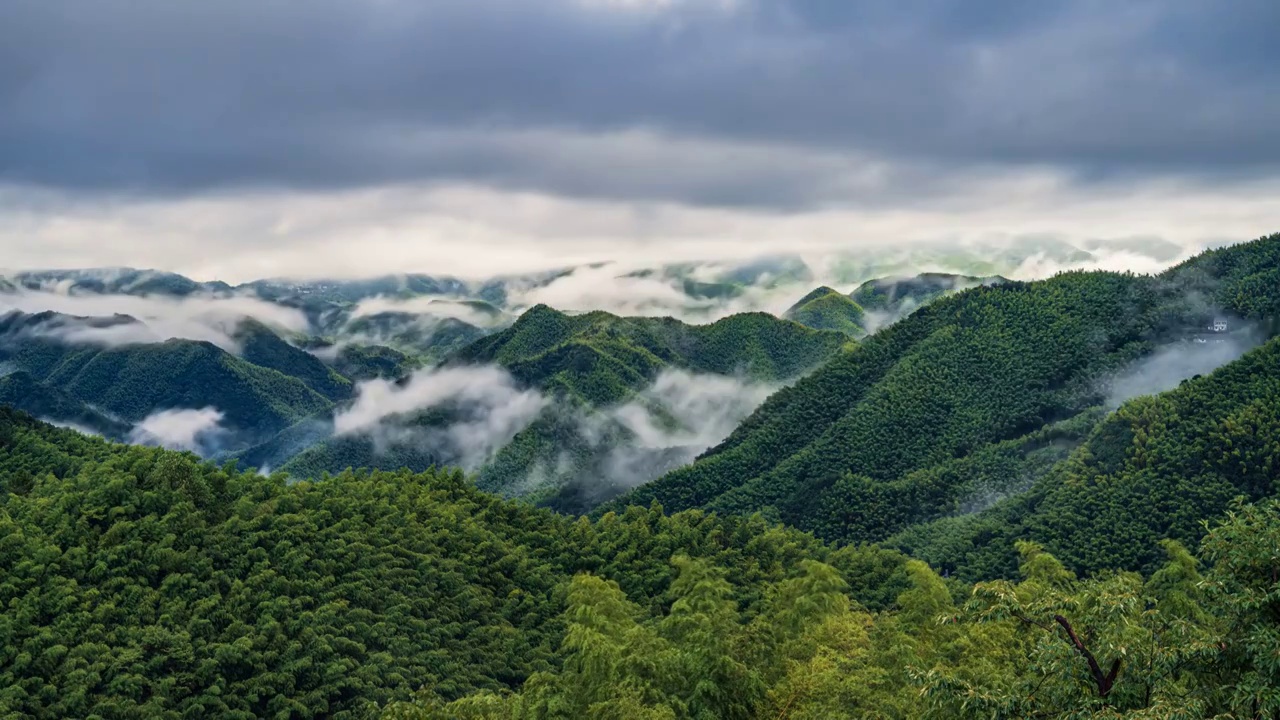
[
  {"x": 684, "y": 409},
  {"x": 199, "y": 431},
  {"x": 676, "y": 419},
  {"x": 667, "y": 425},
  {"x": 430, "y": 307},
  {"x": 629, "y": 288},
  {"x": 156, "y": 319},
  {"x": 484, "y": 406},
  {"x": 1168, "y": 366}
]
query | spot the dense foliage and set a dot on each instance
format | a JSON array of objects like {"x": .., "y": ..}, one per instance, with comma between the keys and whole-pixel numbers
[
  {"x": 1154, "y": 469},
  {"x": 900, "y": 296},
  {"x": 827, "y": 309},
  {"x": 140, "y": 582},
  {"x": 367, "y": 362},
  {"x": 1043, "y": 548},
  {"x": 582, "y": 362},
  {"x": 132, "y": 381},
  {"x": 1182, "y": 643},
  {"x": 903, "y": 429},
  {"x": 261, "y": 346},
  {"x": 602, "y": 358}
]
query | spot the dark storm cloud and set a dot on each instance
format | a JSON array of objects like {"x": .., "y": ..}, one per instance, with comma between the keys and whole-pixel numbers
[{"x": 771, "y": 103}]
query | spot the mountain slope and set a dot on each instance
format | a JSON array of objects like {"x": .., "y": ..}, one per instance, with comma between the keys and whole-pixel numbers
[
  {"x": 1155, "y": 469},
  {"x": 150, "y": 585},
  {"x": 22, "y": 391},
  {"x": 982, "y": 367},
  {"x": 545, "y": 342},
  {"x": 584, "y": 365},
  {"x": 263, "y": 347},
  {"x": 133, "y": 381}
]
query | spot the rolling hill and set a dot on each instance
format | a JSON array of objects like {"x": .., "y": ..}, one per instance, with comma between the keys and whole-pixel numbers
[
  {"x": 873, "y": 429},
  {"x": 585, "y": 366},
  {"x": 827, "y": 309},
  {"x": 129, "y": 382}
]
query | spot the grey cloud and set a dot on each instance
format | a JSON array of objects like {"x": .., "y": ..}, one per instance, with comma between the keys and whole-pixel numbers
[{"x": 159, "y": 96}]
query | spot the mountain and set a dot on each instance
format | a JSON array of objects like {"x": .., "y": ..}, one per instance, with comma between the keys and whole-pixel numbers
[
  {"x": 132, "y": 381},
  {"x": 872, "y": 429},
  {"x": 897, "y": 297},
  {"x": 879, "y": 302},
  {"x": 22, "y": 391},
  {"x": 431, "y": 337},
  {"x": 827, "y": 309},
  {"x": 121, "y": 281},
  {"x": 365, "y": 362},
  {"x": 261, "y": 346},
  {"x": 598, "y": 357},
  {"x": 594, "y": 382}
]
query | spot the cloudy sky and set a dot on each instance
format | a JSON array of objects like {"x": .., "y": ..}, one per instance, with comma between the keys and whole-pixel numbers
[{"x": 246, "y": 138}]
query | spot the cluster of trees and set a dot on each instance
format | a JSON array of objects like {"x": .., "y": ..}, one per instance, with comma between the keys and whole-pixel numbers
[
  {"x": 139, "y": 582},
  {"x": 1181, "y": 643},
  {"x": 904, "y": 429}
]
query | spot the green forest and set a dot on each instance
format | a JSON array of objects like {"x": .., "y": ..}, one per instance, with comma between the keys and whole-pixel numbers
[
  {"x": 584, "y": 362},
  {"x": 970, "y": 513},
  {"x": 142, "y": 582}
]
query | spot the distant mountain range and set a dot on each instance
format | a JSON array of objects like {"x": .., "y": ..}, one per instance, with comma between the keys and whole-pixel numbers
[{"x": 567, "y": 405}]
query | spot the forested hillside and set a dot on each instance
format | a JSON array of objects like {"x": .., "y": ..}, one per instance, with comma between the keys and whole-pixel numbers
[
  {"x": 582, "y": 364},
  {"x": 133, "y": 380},
  {"x": 898, "y": 431},
  {"x": 143, "y": 583},
  {"x": 599, "y": 357},
  {"x": 900, "y": 296},
  {"x": 1155, "y": 469}
]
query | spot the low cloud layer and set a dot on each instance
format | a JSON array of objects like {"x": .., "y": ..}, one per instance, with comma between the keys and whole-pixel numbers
[
  {"x": 1170, "y": 365},
  {"x": 210, "y": 319},
  {"x": 479, "y": 232},
  {"x": 198, "y": 431},
  {"x": 667, "y": 425},
  {"x": 485, "y": 411}
]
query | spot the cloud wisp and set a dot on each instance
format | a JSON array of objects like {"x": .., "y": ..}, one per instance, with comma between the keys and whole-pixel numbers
[
  {"x": 150, "y": 319},
  {"x": 1171, "y": 364},
  {"x": 198, "y": 431},
  {"x": 484, "y": 409}
]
